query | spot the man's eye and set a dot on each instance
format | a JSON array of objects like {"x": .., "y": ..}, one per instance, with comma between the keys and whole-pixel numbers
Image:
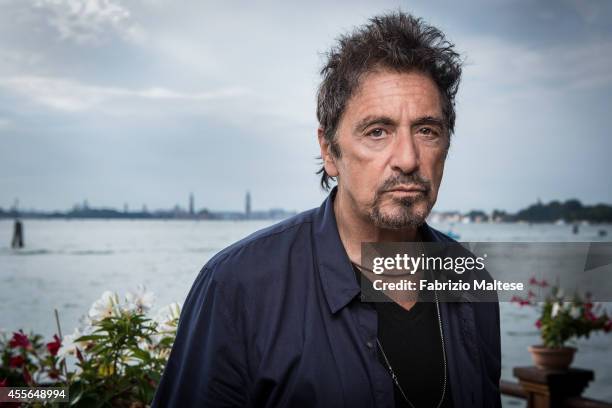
[
  {"x": 428, "y": 132},
  {"x": 377, "y": 133}
]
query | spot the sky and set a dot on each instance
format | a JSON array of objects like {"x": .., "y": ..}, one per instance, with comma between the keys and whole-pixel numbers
[{"x": 146, "y": 101}]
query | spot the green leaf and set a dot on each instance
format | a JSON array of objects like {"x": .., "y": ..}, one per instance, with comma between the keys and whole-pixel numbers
[
  {"x": 90, "y": 337},
  {"x": 76, "y": 392},
  {"x": 141, "y": 355}
]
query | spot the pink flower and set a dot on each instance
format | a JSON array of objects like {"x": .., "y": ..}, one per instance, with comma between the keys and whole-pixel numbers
[
  {"x": 520, "y": 301},
  {"x": 4, "y": 382},
  {"x": 608, "y": 326},
  {"x": 26, "y": 376},
  {"x": 531, "y": 294},
  {"x": 79, "y": 355},
  {"x": 544, "y": 283},
  {"x": 16, "y": 361},
  {"x": 533, "y": 281},
  {"x": 55, "y": 345},
  {"x": 538, "y": 323},
  {"x": 19, "y": 340},
  {"x": 590, "y": 316}
]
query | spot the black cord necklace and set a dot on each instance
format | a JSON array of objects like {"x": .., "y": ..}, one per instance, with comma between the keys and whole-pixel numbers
[{"x": 390, "y": 369}]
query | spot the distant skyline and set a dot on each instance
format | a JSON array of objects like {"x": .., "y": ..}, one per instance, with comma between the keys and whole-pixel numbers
[
  {"x": 143, "y": 102},
  {"x": 191, "y": 206},
  {"x": 84, "y": 210}
]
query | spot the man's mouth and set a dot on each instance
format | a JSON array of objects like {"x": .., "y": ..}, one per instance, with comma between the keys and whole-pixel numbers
[{"x": 407, "y": 190}]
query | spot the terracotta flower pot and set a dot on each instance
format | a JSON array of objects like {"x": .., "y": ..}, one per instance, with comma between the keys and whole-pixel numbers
[{"x": 559, "y": 358}]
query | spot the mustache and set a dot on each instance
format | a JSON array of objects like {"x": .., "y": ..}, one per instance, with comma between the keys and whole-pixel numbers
[{"x": 405, "y": 178}]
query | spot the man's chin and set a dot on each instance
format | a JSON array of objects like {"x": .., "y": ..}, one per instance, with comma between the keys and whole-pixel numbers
[{"x": 399, "y": 218}]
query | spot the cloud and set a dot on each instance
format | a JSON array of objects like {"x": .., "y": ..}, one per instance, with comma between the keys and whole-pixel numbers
[
  {"x": 518, "y": 68},
  {"x": 18, "y": 58},
  {"x": 90, "y": 21},
  {"x": 590, "y": 11},
  {"x": 190, "y": 81},
  {"x": 72, "y": 96}
]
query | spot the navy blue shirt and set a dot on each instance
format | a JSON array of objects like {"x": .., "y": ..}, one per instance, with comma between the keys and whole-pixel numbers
[{"x": 275, "y": 320}]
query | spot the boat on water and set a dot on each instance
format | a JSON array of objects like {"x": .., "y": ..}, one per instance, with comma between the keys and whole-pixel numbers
[{"x": 453, "y": 235}]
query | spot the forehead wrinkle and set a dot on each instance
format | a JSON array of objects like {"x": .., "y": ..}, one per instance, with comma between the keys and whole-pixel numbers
[
  {"x": 398, "y": 114},
  {"x": 373, "y": 92}
]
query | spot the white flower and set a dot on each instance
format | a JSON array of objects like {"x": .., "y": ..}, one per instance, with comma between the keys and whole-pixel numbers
[
  {"x": 106, "y": 306},
  {"x": 69, "y": 345},
  {"x": 140, "y": 300},
  {"x": 560, "y": 294},
  {"x": 163, "y": 353},
  {"x": 555, "y": 309},
  {"x": 166, "y": 319},
  {"x": 167, "y": 316},
  {"x": 145, "y": 345},
  {"x": 575, "y": 312}
]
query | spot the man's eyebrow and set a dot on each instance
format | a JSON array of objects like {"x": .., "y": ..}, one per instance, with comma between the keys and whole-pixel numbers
[
  {"x": 430, "y": 120},
  {"x": 373, "y": 120}
]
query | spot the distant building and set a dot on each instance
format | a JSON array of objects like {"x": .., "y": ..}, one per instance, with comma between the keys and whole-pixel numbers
[
  {"x": 247, "y": 209},
  {"x": 15, "y": 207},
  {"x": 191, "y": 203}
]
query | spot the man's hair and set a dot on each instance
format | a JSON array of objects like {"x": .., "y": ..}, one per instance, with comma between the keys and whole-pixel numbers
[{"x": 397, "y": 42}]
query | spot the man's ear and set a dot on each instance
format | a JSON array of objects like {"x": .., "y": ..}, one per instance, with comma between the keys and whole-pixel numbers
[{"x": 326, "y": 154}]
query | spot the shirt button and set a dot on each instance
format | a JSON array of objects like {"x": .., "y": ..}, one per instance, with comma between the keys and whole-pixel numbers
[{"x": 369, "y": 344}]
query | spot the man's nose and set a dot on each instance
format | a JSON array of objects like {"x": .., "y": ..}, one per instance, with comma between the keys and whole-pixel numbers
[{"x": 405, "y": 156}]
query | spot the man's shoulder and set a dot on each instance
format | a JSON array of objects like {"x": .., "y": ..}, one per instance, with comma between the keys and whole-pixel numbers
[{"x": 262, "y": 248}]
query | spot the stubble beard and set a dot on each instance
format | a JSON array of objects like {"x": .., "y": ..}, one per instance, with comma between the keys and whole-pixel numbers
[{"x": 403, "y": 215}]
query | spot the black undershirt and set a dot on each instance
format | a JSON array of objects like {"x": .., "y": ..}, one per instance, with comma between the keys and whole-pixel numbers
[{"x": 411, "y": 341}]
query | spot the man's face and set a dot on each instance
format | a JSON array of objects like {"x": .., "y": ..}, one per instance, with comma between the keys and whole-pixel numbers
[{"x": 393, "y": 141}]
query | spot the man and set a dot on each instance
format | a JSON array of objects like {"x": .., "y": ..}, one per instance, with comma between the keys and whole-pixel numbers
[{"x": 276, "y": 319}]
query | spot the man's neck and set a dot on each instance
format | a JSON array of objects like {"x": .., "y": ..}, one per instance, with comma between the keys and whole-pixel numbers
[{"x": 355, "y": 229}]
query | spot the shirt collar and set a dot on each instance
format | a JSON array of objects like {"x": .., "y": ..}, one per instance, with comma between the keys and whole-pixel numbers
[{"x": 335, "y": 268}]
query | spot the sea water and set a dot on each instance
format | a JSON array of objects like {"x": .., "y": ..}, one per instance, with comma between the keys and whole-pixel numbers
[{"x": 67, "y": 264}]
